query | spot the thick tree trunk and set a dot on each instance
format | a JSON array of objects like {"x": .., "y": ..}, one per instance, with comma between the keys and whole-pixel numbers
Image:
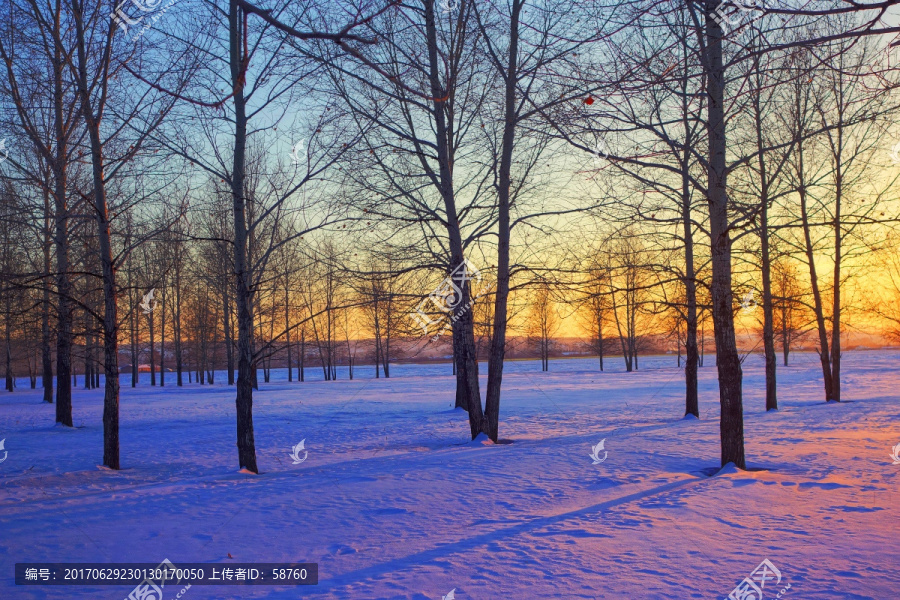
[
  {"x": 244, "y": 398},
  {"x": 727, "y": 359},
  {"x": 107, "y": 267},
  {"x": 63, "y": 288},
  {"x": 110, "y": 334},
  {"x": 504, "y": 183},
  {"x": 461, "y": 395},
  {"x": 110, "y": 314},
  {"x": 463, "y": 325},
  {"x": 61, "y": 241},
  {"x": 466, "y": 365}
]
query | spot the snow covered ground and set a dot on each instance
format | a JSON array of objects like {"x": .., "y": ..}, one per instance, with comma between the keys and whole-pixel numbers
[{"x": 393, "y": 502}]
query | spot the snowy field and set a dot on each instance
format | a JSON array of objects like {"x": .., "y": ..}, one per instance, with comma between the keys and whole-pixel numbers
[{"x": 393, "y": 502}]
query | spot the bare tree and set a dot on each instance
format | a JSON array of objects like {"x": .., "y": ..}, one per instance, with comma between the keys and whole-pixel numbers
[
  {"x": 789, "y": 320},
  {"x": 597, "y": 308},
  {"x": 543, "y": 322},
  {"x": 43, "y": 46}
]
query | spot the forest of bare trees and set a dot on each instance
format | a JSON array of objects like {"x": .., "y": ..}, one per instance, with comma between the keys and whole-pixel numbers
[{"x": 249, "y": 186}]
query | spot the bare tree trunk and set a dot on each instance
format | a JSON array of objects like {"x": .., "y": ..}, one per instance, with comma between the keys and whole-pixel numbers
[
  {"x": 498, "y": 339},
  {"x": 768, "y": 310},
  {"x": 386, "y": 346},
  {"x": 626, "y": 354},
  {"x": 377, "y": 328},
  {"x": 463, "y": 325},
  {"x": 599, "y": 317},
  {"x": 8, "y": 330},
  {"x": 107, "y": 267},
  {"x": 691, "y": 359},
  {"x": 150, "y": 321},
  {"x": 32, "y": 372},
  {"x": 110, "y": 309},
  {"x": 287, "y": 328},
  {"x": 817, "y": 296},
  {"x": 728, "y": 361},
  {"x": 132, "y": 313},
  {"x": 229, "y": 335},
  {"x": 211, "y": 373},
  {"x": 61, "y": 241},
  {"x": 244, "y": 398},
  {"x": 836, "y": 282},
  {"x": 88, "y": 371},
  {"x": 46, "y": 356},
  {"x": 96, "y": 362},
  {"x": 179, "y": 343},
  {"x": 64, "y": 372},
  {"x": 461, "y": 395},
  {"x": 162, "y": 338},
  {"x": 267, "y": 365},
  {"x": 785, "y": 345},
  {"x": 702, "y": 342},
  {"x": 678, "y": 344}
]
